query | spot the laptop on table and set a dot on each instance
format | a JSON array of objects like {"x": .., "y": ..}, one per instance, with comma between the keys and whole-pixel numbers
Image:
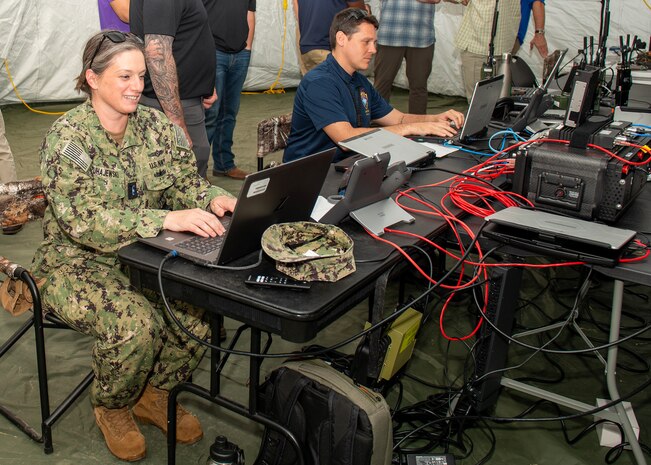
[
  {"x": 522, "y": 95},
  {"x": 382, "y": 141},
  {"x": 280, "y": 194},
  {"x": 559, "y": 236},
  {"x": 480, "y": 111}
]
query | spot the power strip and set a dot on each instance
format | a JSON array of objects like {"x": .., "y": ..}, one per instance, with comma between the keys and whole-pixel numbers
[{"x": 430, "y": 459}]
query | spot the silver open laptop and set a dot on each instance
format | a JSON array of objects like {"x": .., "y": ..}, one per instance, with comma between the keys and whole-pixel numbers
[
  {"x": 480, "y": 111},
  {"x": 276, "y": 195}
]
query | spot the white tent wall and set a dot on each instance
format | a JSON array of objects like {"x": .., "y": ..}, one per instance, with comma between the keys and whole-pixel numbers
[{"x": 42, "y": 42}]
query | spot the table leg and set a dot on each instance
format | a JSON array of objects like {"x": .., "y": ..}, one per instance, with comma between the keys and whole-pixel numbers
[
  {"x": 216, "y": 322},
  {"x": 254, "y": 371},
  {"x": 619, "y": 415},
  {"x": 250, "y": 412},
  {"x": 611, "y": 366}
]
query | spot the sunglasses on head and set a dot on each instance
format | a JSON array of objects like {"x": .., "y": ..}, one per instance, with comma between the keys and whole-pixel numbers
[
  {"x": 117, "y": 37},
  {"x": 356, "y": 14}
]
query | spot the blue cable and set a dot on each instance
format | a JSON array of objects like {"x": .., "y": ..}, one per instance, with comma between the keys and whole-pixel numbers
[
  {"x": 463, "y": 149},
  {"x": 641, "y": 126},
  {"x": 506, "y": 132}
]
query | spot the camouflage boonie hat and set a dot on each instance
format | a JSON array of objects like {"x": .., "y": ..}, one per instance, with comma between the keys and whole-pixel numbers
[{"x": 310, "y": 251}]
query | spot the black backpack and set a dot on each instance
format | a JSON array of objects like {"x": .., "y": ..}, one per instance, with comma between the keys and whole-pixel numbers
[{"x": 335, "y": 421}]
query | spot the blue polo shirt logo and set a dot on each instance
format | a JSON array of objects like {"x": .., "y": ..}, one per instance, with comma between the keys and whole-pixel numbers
[{"x": 364, "y": 97}]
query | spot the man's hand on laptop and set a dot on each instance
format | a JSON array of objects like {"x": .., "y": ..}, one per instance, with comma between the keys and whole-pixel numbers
[
  {"x": 443, "y": 124},
  {"x": 452, "y": 117},
  {"x": 431, "y": 128}
]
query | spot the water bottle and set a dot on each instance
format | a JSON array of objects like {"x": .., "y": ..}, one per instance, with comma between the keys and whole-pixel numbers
[
  {"x": 504, "y": 68},
  {"x": 223, "y": 452}
]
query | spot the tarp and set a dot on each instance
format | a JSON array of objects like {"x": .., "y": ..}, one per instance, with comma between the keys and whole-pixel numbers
[{"x": 42, "y": 42}]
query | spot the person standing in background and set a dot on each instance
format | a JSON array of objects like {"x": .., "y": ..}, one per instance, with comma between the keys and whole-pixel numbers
[
  {"x": 537, "y": 7},
  {"x": 474, "y": 36},
  {"x": 180, "y": 55},
  {"x": 335, "y": 101},
  {"x": 313, "y": 18},
  {"x": 406, "y": 31},
  {"x": 233, "y": 26},
  {"x": 7, "y": 169},
  {"x": 114, "y": 14},
  {"x": 7, "y": 165}
]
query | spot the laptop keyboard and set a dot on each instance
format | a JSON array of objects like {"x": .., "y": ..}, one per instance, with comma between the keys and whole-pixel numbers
[
  {"x": 205, "y": 245},
  {"x": 201, "y": 245}
]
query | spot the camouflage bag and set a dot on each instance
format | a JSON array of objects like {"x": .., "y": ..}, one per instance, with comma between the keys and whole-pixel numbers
[{"x": 310, "y": 251}]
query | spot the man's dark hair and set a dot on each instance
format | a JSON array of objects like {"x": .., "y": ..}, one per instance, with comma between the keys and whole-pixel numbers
[{"x": 348, "y": 21}]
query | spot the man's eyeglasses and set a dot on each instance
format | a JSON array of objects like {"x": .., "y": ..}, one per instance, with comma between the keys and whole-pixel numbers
[{"x": 116, "y": 37}]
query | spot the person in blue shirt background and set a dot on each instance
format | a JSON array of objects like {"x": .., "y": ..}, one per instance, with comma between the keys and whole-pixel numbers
[
  {"x": 313, "y": 20},
  {"x": 335, "y": 101},
  {"x": 537, "y": 7}
]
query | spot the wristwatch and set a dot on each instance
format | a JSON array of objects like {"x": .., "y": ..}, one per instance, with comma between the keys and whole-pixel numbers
[{"x": 539, "y": 31}]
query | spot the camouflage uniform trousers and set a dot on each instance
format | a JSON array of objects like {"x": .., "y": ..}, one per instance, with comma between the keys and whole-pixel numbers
[{"x": 135, "y": 343}]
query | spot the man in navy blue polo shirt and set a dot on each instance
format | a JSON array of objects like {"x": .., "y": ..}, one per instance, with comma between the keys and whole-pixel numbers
[{"x": 335, "y": 102}]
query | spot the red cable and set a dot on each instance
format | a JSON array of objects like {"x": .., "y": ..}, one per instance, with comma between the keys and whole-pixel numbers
[{"x": 464, "y": 192}]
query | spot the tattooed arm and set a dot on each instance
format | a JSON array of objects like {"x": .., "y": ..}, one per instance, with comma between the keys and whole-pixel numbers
[{"x": 162, "y": 70}]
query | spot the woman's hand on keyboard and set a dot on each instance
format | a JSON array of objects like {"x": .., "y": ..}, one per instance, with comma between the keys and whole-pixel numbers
[
  {"x": 222, "y": 204},
  {"x": 196, "y": 220}
]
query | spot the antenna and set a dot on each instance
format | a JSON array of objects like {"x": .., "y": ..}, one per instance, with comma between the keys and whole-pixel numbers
[
  {"x": 488, "y": 67},
  {"x": 604, "y": 27}
]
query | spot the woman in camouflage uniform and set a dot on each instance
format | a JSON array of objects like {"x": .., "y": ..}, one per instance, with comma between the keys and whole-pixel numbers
[{"x": 114, "y": 171}]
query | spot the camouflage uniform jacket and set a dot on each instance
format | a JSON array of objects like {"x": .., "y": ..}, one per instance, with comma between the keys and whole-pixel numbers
[{"x": 102, "y": 196}]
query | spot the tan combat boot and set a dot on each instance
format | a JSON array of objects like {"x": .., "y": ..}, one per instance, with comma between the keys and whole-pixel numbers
[
  {"x": 152, "y": 409},
  {"x": 122, "y": 436}
]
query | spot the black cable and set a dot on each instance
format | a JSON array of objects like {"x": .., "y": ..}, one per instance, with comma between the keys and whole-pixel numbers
[
  {"x": 581, "y": 434},
  {"x": 505, "y": 420},
  {"x": 620, "y": 364},
  {"x": 553, "y": 363},
  {"x": 615, "y": 452},
  {"x": 563, "y": 352},
  {"x": 493, "y": 442},
  {"x": 398, "y": 400},
  {"x": 425, "y": 383},
  {"x": 350, "y": 339}
]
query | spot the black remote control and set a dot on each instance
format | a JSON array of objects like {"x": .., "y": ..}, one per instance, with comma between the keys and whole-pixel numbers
[{"x": 277, "y": 281}]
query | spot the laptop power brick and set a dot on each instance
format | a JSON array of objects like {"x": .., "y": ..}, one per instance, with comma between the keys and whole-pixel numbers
[
  {"x": 402, "y": 337},
  {"x": 430, "y": 459}
]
